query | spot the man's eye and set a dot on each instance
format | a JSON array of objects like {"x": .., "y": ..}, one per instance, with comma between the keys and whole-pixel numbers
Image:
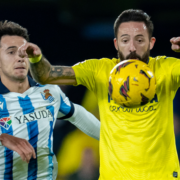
[
  {"x": 140, "y": 40},
  {"x": 11, "y": 52},
  {"x": 125, "y": 40}
]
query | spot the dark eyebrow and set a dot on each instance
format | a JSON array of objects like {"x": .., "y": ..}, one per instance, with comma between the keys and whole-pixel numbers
[
  {"x": 124, "y": 35},
  {"x": 11, "y": 47},
  {"x": 139, "y": 35},
  {"x": 128, "y": 35}
]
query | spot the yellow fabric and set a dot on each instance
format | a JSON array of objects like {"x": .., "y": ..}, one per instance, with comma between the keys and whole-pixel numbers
[
  {"x": 70, "y": 155},
  {"x": 89, "y": 102},
  {"x": 35, "y": 59},
  {"x": 138, "y": 143}
]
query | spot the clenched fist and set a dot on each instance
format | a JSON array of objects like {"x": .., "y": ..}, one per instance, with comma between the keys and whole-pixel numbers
[{"x": 175, "y": 41}]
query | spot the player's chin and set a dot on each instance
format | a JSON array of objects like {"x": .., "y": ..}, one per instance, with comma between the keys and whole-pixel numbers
[{"x": 20, "y": 76}]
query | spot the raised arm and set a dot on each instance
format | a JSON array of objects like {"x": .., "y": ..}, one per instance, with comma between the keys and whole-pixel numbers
[{"x": 42, "y": 71}]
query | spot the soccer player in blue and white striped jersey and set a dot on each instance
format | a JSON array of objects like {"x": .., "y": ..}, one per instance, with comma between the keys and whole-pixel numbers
[{"x": 28, "y": 111}]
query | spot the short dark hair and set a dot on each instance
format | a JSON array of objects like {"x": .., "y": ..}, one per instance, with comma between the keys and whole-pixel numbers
[
  {"x": 134, "y": 15},
  {"x": 13, "y": 29}
]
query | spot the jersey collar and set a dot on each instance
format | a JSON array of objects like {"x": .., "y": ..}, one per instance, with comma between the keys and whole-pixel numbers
[{"x": 4, "y": 89}]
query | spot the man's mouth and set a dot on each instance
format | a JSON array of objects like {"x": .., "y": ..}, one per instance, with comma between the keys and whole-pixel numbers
[{"x": 20, "y": 68}]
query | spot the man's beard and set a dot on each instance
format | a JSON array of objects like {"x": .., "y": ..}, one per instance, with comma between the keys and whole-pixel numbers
[{"x": 133, "y": 55}]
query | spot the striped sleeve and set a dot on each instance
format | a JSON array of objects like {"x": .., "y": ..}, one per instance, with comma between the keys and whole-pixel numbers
[{"x": 66, "y": 109}]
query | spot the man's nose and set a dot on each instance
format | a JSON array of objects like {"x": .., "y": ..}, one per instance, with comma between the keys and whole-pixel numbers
[
  {"x": 21, "y": 59},
  {"x": 132, "y": 47}
]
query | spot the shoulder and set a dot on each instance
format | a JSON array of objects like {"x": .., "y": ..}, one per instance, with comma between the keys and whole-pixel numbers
[
  {"x": 163, "y": 60},
  {"x": 98, "y": 61},
  {"x": 49, "y": 87},
  {"x": 105, "y": 60},
  {"x": 94, "y": 66}
]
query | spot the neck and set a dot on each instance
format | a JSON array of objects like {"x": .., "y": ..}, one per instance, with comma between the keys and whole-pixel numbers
[{"x": 16, "y": 86}]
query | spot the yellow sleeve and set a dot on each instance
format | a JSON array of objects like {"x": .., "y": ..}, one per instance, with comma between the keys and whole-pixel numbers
[
  {"x": 175, "y": 73},
  {"x": 85, "y": 73}
]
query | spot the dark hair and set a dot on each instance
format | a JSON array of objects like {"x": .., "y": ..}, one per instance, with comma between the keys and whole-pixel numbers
[
  {"x": 134, "y": 15},
  {"x": 13, "y": 29}
]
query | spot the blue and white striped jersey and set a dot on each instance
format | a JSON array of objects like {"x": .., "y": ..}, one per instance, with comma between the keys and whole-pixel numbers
[{"x": 31, "y": 116}]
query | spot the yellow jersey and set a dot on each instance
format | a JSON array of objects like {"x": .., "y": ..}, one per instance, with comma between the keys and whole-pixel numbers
[{"x": 137, "y": 143}]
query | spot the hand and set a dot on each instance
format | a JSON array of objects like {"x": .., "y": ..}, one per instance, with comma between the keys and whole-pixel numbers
[
  {"x": 175, "y": 41},
  {"x": 21, "y": 146},
  {"x": 29, "y": 50}
]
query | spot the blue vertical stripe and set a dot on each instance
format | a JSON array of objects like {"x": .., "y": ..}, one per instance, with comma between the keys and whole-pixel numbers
[
  {"x": 8, "y": 154},
  {"x": 51, "y": 154},
  {"x": 64, "y": 108},
  {"x": 33, "y": 132}
]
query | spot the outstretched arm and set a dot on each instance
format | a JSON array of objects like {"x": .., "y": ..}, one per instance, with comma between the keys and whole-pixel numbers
[
  {"x": 85, "y": 121},
  {"x": 42, "y": 71}
]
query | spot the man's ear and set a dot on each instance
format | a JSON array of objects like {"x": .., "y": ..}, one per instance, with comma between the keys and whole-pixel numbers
[
  {"x": 152, "y": 42},
  {"x": 115, "y": 44}
]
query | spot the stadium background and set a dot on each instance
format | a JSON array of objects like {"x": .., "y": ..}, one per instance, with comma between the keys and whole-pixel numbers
[{"x": 70, "y": 31}]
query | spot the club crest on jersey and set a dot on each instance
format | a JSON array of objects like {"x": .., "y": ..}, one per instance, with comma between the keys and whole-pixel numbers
[
  {"x": 47, "y": 96},
  {"x": 5, "y": 122}
]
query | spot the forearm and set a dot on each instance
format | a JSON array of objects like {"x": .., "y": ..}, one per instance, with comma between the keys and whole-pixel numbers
[
  {"x": 40, "y": 71},
  {"x": 44, "y": 73},
  {"x": 85, "y": 121}
]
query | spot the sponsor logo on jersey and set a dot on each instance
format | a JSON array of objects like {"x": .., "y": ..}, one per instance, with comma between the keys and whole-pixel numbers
[
  {"x": 46, "y": 95},
  {"x": 41, "y": 114},
  {"x": 1, "y": 105},
  {"x": 5, "y": 122},
  {"x": 117, "y": 108}
]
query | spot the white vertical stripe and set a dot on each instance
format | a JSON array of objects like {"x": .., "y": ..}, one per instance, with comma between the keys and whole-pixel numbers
[
  {"x": 42, "y": 144},
  {"x": 20, "y": 168},
  {"x": 2, "y": 161}
]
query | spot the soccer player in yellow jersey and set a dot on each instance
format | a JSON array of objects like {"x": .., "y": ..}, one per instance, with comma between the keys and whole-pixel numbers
[{"x": 139, "y": 143}]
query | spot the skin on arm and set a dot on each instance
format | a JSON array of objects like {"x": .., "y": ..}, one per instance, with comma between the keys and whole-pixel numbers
[
  {"x": 42, "y": 71},
  {"x": 45, "y": 73}
]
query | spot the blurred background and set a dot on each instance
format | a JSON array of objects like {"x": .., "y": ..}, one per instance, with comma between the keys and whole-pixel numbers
[{"x": 70, "y": 31}]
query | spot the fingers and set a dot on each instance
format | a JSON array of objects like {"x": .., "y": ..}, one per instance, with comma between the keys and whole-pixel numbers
[
  {"x": 21, "y": 146},
  {"x": 175, "y": 40},
  {"x": 22, "y": 50},
  {"x": 29, "y": 50},
  {"x": 33, "y": 152},
  {"x": 175, "y": 47},
  {"x": 26, "y": 151},
  {"x": 22, "y": 155}
]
